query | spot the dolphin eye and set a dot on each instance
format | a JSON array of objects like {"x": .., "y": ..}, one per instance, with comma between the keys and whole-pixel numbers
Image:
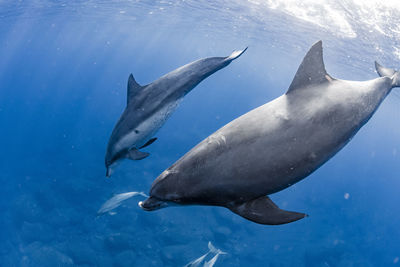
[{"x": 136, "y": 131}]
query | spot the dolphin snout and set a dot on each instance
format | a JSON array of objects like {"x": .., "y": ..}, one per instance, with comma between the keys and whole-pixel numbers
[
  {"x": 109, "y": 171},
  {"x": 152, "y": 203},
  {"x": 110, "y": 168}
]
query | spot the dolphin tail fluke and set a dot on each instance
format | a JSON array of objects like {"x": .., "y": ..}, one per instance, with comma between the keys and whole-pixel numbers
[
  {"x": 214, "y": 249},
  {"x": 387, "y": 72},
  {"x": 235, "y": 54},
  {"x": 202, "y": 259},
  {"x": 263, "y": 211}
]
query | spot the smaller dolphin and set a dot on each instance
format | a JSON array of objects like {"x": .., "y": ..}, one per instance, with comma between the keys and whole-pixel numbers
[{"x": 149, "y": 106}]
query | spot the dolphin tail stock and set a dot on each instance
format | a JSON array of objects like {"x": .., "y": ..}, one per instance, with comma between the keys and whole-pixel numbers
[
  {"x": 388, "y": 72},
  {"x": 235, "y": 54},
  {"x": 263, "y": 211}
]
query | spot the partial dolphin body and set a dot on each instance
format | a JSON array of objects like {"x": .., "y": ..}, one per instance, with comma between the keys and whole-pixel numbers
[
  {"x": 275, "y": 145},
  {"x": 149, "y": 106}
]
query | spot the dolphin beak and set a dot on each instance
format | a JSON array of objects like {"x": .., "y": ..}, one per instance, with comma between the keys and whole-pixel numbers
[
  {"x": 111, "y": 167},
  {"x": 152, "y": 203},
  {"x": 109, "y": 171}
]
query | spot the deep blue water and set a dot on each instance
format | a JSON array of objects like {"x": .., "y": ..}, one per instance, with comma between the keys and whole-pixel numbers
[{"x": 63, "y": 73}]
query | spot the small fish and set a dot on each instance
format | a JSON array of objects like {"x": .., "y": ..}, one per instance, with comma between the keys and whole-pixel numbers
[
  {"x": 212, "y": 250},
  {"x": 116, "y": 201}
]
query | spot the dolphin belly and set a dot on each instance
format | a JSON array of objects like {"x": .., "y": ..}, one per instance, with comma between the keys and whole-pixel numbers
[{"x": 146, "y": 129}]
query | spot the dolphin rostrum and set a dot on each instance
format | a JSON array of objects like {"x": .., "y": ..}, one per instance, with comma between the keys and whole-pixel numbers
[
  {"x": 275, "y": 145},
  {"x": 149, "y": 106}
]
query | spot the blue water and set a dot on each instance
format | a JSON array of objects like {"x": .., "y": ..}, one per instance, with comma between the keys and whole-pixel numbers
[{"x": 63, "y": 73}]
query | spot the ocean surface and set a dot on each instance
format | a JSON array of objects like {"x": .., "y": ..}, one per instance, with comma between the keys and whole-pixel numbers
[{"x": 63, "y": 72}]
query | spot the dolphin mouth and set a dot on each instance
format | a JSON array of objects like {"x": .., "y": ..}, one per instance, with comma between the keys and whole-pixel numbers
[
  {"x": 109, "y": 171},
  {"x": 152, "y": 203},
  {"x": 110, "y": 168}
]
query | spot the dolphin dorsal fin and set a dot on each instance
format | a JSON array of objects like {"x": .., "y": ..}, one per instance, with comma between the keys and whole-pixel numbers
[
  {"x": 133, "y": 88},
  {"x": 311, "y": 71}
]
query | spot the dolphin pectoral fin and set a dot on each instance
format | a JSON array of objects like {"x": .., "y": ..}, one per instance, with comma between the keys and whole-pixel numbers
[
  {"x": 135, "y": 154},
  {"x": 263, "y": 211},
  {"x": 149, "y": 142}
]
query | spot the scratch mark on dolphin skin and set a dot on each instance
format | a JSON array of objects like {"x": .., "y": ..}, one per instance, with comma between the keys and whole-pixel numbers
[
  {"x": 166, "y": 173},
  {"x": 218, "y": 138},
  {"x": 280, "y": 114}
]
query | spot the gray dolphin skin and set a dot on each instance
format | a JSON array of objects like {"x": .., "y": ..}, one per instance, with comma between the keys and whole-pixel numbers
[
  {"x": 273, "y": 146},
  {"x": 149, "y": 106}
]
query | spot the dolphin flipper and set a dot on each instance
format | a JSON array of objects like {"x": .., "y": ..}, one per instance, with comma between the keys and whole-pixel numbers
[
  {"x": 149, "y": 142},
  {"x": 263, "y": 211},
  {"x": 135, "y": 154}
]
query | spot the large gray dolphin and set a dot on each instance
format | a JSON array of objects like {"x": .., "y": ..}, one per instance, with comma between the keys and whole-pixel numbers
[
  {"x": 275, "y": 145},
  {"x": 149, "y": 106}
]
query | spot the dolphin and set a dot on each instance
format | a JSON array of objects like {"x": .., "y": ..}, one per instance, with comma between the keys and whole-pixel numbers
[
  {"x": 149, "y": 106},
  {"x": 275, "y": 145}
]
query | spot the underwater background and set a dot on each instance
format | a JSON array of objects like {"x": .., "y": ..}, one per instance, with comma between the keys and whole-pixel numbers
[{"x": 63, "y": 72}]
